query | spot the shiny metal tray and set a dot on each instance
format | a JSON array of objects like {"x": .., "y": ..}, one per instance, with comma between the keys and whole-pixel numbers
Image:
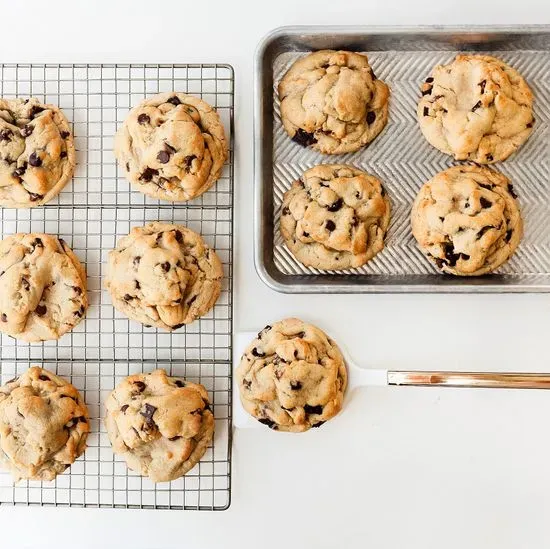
[{"x": 400, "y": 156}]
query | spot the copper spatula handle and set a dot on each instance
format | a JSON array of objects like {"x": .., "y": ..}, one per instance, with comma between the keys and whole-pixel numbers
[{"x": 489, "y": 380}]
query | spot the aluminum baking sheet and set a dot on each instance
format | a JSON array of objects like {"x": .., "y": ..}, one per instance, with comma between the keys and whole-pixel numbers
[{"x": 400, "y": 157}]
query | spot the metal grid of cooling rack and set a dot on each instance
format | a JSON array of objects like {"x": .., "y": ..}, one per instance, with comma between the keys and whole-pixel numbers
[{"x": 91, "y": 214}]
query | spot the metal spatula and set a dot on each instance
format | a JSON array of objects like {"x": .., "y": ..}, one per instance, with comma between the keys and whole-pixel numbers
[{"x": 363, "y": 377}]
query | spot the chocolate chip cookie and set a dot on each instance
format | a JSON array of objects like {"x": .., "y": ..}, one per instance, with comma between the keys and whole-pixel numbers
[
  {"x": 332, "y": 102},
  {"x": 476, "y": 108},
  {"x": 160, "y": 425},
  {"x": 163, "y": 275},
  {"x": 37, "y": 155},
  {"x": 335, "y": 217},
  {"x": 467, "y": 221},
  {"x": 42, "y": 287},
  {"x": 172, "y": 146},
  {"x": 292, "y": 376},
  {"x": 44, "y": 424}
]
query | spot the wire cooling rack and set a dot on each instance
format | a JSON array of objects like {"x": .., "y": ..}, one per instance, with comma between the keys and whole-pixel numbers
[{"x": 91, "y": 214}]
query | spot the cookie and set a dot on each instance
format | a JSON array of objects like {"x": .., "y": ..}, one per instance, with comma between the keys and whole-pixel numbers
[
  {"x": 332, "y": 102},
  {"x": 476, "y": 108},
  {"x": 160, "y": 425},
  {"x": 37, "y": 155},
  {"x": 335, "y": 217},
  {"x": 163, "y": 275},
  {"x": 292, "y": 376},
  {"x": 44, "y": 424},
  {"x": 42, "y": 287},
  {"x": 467, "y": 221},
  {"x": 172, "y": 146}
]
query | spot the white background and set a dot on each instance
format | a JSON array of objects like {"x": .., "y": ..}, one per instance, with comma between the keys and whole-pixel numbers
[{"x": 399, "y": 468}]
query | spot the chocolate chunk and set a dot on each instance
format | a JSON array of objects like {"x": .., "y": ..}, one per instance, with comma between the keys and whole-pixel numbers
[
  {"x": 77, "y": 290},
  {"x": 295, "y": 385},
  {"x": 179, "y": 383},
  {"x": 450, "y": 256},
  {"x": 511, "y": 190},
  {"x": 136, "y": 261},
  {"x": 174, "y": 100},
  {"x": 128, "y": 297},
  {"x": 482, "y": 85},
  {"x": 35, "y": 109},
  {"x": 174, "y": 438},
  {"x": 137, "y": 285},
  {"x": 165, "y": 266},
  {"x": 35, "y": 160},
  {"x": 65, "y": 134},
  {"x": 41, "y": 310},
  {"x": 179, "y": 236},
  {"x": 187, "y": 162},
  {"x": 439, "y": 262},
  {"x": 330, "y": 226},
  {"x": 286, "y": 210},
  {"x": 82, "y": 419},
  {"x": 163, "y": 157},
  {"x": 34, "y": 197},
  {"x": 140, "y": 386},
  {"x": 483, "y": 230},
  {"x": 488, "y": 187},
  {"x": 429, "y": 80},
  {"x": 508, "y": 235},
  {"x": 466, "y": 205},
  {"x": 426, "y": 111},
  {"x": 148, "y": 412},
  {"x": 256, "y": 352},
  {"x": 306, "y": 235},
  {"x": 18, "y": 172},
  {"x": 177, "y": 326},
  {"x": 427, "y": 91},
  {"x": 25, "y": 284},
  {"x": 313, "y": 409},
  {"x": 6, "y": 134},
  {"x": 43, "y": 377},
  {"x": 489, "y": 158},
  {"x": 266, "y": 329},
  {"x": 37, "y": 243},
  {"x": 318, "y": 424},
  {"x": 371, "y": 117},
  {"x": 476, "y": 106},
  {"x": 334, "y": 207},
  {"x": 158, "y": 238},
  {"x": 530, "y": 124},
  {"x": 127, "y": 166},
  {"x": 148, "y": 174},
  {"x": 485, "y": 203},
  {"x": 63, "y": 154},
  {"x": 26, "y": 130},
  {"x": 4, "y": 317},
  {"x": 247, "y": 384},
  {"x": 304, "y": 138},
  {"x": 268, "y": 422},
  {"x": 143, "y": 118}
]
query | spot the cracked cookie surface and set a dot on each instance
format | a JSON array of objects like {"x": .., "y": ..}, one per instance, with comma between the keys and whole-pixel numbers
[
  {"x": 292, "y": 376},
  {"x": 172, "y": 146},
  {"x": 163, "y": 275},
  {"x": 335, "y": 217},
  {"x": 476, "y": 108},
  {"x": 37, "y": 155},
  {"x": 160, "y": 425},
  {"x": 467, "y": 221},
  {"x": 333, "y": 102},
  {"x": 42, "y": 287},
  {"x": 44, "y": 424}
]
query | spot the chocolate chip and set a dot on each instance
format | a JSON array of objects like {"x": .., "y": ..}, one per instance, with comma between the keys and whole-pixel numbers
[
  {"x": 35, "y": 109},
  {"x": 140, "y": 386},
  {"x": 266, "y": 329},
  {"x": 148, "y": 412},
  {"x": 295, "y": 385},
  {"x": 163, "y": 157},
  {"x": 483, "y": 230},
  {"x": 313, "y": 409},
  {"x": 439, "y": 262},
  {"x": 65, "y": 134},
  {"x": 41, "y": 310},
  {"x": 268, "y": 422},
  {"x": 426, "y": 111},
  {"x": 179, "y": 236},
  {"x": 476, "y": 106},
  {"x": 330, "y": 226},
  {"x": 26, "y": 130},
  {"x": 191, "y": 301},
  {"x": 304, "y": 138},
  {"x": 18, "y": 172},
  {"x": 25, "y": 284},
  {"x": 427, "y": 91},
  {"x": 148, "y": 174},
  {"x": 177, "y": 326},
  {"x": 128, "y": 297},
  {"x": 358, "y": 195},
  {"x": 187, "y": 162},
  {"x": 508, "y": 235},
  {"x": 371, "y": 117},
  {"x": 35, "y": 160},
  {"x": 165, "y": 266},
  {"x": 335, "y": 206},
  {"x": 174, "y": 100},
  {"x": 34, "y": 197},
  {"x": 137, "y": 285},
  {"x": 37, "y": 243},
  {"x": 466, "y": 205},
  {"x": 158, "y": 238},
  {"x": 247, "y": 384},
  {"x": 63, "y": 154},
  {"x": 143, "y": 118},
  {"x": 511, "y": 190},
  {"x": 489, "y": 158},
  {"x": 179, "y": 383},
  {"x": 318, "y": 424},
  {"x": 286, "y": 210},
  {"x": 174, "y": 438},
  {"x": 256, "y": 352},
  {"x": 136, "y": 261},
  {"x": 485, "y": 203},
  {"x": 306, "y": 235},
  {"x": 43, "y": 377},
  {"x": 488, "y": 187},
  {"x": 4, "y": 317},
  {"x": 429, "y": 80},
  {"x": 482, "y": 85},
  {"x": 530, "y": 124},
  {"x": 77, "y": 290},
  {"x": 6, "y": 135}
]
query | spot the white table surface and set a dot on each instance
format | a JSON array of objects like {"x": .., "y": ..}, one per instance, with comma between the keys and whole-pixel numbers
[{"x": 400, "y": 468}]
